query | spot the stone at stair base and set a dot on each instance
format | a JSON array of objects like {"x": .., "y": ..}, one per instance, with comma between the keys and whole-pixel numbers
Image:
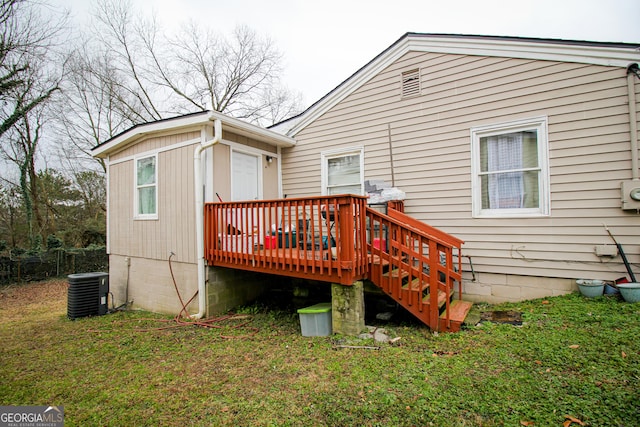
[{"x": 347, "y": 308}]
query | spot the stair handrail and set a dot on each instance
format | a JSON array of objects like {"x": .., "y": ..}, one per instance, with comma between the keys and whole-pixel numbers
[
  {"x": 431, "y": 232},
  {"x": 400, "y": 219},
  {"x": 435, "y": 237}
]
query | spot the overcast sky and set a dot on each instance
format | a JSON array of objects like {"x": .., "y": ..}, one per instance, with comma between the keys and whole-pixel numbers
[{"x": 324, "y": 42}]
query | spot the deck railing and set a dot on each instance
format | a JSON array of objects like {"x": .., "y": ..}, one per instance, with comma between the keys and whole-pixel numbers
[
  {"x": 321, "y": 238},
  {"x": 416, "y": 264}
]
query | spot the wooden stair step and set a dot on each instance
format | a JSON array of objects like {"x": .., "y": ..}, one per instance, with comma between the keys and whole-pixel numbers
[
  {"x": 378, "y": 260},
  {"x": 396, "y": 273},
  {"x": 414, "y": 285},
  {"x": 457, "y": 313},
  {"x": 442, "y": 299},
  {"x": 458, "y": 310}
]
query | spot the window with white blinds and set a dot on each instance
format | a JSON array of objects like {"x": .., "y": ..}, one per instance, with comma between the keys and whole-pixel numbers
[{"x": 342, "y": 171}]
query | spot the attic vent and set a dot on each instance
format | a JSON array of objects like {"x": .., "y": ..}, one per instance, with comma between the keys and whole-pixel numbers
[{"x": 411, "y": 83}]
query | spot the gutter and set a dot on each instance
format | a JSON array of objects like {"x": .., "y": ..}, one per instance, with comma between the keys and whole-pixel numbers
[
  {"x": 632, "y": 71},
  {"x": 199, "y": 198}
]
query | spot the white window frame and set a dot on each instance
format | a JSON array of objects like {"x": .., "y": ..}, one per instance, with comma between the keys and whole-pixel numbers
[
  {"x": 136, "y": 187},
  {"x": 538, "y": 124},
  {"x": 342, "y": 152}
]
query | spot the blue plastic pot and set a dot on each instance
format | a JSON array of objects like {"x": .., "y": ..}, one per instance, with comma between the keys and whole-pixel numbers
[
  {"x": 610, "y": 289},
  {"x": 591, "y": 288},
  {"x": 630, "y": 291}
]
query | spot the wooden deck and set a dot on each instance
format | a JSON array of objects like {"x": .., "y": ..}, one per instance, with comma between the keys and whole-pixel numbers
[
  {"x": 339, "y": 239},
  {"x": 321, "y": 238}
]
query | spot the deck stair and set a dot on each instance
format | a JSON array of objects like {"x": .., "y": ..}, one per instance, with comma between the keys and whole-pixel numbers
[{"x": 402, "y": 256}]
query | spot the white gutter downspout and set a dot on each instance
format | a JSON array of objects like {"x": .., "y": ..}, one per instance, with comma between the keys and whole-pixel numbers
[
  {"x": 198, "y": 180},
  {"x": 633, "y": 121}
]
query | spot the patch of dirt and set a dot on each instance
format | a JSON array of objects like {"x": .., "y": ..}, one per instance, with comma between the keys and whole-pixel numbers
[
  {"x": 511, "y": 317},
  {"x": 17, "y": 297}
]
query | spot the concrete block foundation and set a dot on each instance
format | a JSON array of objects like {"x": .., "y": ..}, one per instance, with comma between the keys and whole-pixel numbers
[
  {"x": 496, "y": 288},
  {"x": 228, "y": 288}
]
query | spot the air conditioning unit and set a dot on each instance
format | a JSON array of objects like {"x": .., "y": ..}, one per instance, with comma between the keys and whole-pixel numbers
[
  {"x": 87, "y": 295},
  {"x": 630, "y": 194}
]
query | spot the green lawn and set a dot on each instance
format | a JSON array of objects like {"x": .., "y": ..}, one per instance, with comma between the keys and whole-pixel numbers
[{"x": 572, "y": 357}]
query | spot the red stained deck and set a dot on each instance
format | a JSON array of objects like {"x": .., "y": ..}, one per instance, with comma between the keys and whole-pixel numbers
[{"x": 339, "y": 239}]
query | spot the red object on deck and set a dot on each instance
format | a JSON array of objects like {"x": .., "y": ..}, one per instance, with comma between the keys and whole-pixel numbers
[
  {"x": 378, "y": 241},
  {"x": 270, "y": 242}
]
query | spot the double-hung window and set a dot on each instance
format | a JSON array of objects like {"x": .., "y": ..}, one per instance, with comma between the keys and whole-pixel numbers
[
  {"x": 510, "y": 169},
  {"x": 342, "y": 171},
  {"x": 146, "y": 191}
]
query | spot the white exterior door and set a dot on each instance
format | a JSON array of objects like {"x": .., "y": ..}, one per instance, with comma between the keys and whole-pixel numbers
[
  {"x": 246, "y": 184},
  {"x": 245, "y": 177}
]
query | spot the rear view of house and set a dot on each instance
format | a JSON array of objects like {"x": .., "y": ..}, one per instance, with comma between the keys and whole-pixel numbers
[{"x": 512, "y": 154}]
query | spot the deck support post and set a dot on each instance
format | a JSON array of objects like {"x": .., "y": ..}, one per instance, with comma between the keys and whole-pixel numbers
[{"x": 348, "y": 308}]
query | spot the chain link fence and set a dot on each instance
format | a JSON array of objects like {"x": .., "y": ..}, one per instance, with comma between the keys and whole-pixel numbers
[{"x": 53, "y": 263}]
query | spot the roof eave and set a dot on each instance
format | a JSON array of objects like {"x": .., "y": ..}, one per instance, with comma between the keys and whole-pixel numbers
[
  {"x": 192, "y": 120},
  {"x": 256, "y": 132}
]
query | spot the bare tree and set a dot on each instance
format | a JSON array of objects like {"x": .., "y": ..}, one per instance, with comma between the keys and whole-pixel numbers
[
  {"x": 195, "y": 69},
  {"x": 90, "y": 109},
  {"x": 11, "y": 215},
  {"x": 129, "y": 70},
  {"x": 25, "y": 38},
  {"x": 24, "y": 140},
  {"x": 238, "y": 76},
  {"x": 119, "y": 38},
  {"x": 29, "y": 78}
]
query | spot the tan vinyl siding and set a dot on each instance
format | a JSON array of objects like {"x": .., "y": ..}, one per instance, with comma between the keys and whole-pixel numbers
[
  {"x": 174, "y": 230},
  {"x": 587, "y": 111},
  {"x": 156, "y": 143},
  {"x": 270, "y": 179},
  {"x": 249, "y": 142},
  {"x": 222, "y": 171}
]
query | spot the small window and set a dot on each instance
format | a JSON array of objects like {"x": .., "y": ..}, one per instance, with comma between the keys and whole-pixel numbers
[
  {"x": 342, "y": 172},
  {"x": 146, "y": 194},
  {"x": 510, "y": 169},
  {"x": 411, "y": 83}
]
